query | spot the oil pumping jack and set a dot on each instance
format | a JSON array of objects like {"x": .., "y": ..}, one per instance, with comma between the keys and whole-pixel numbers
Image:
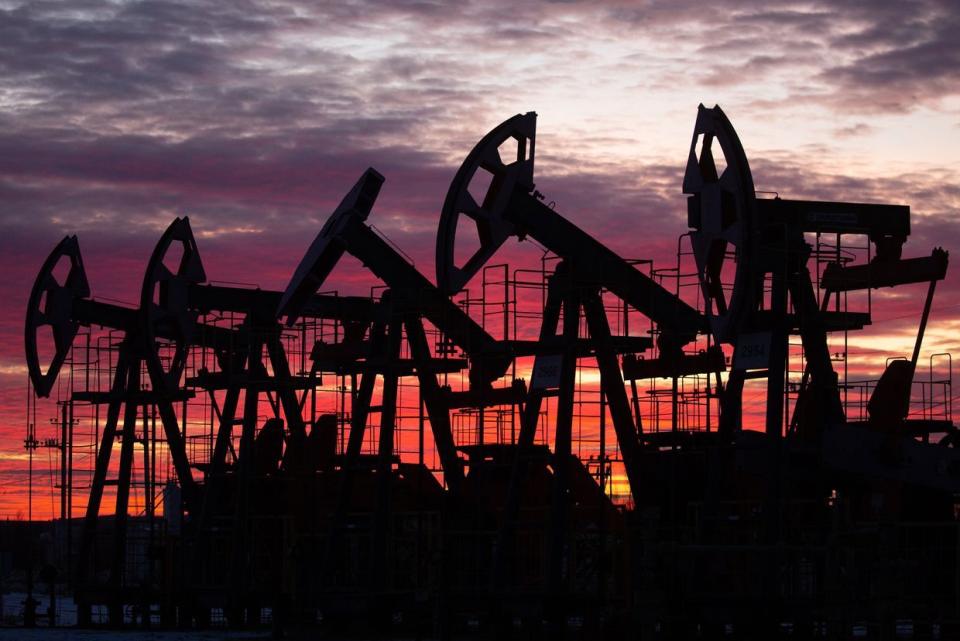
[
  {"x": 157, "y": 337},
  {"x": 410, "y": 299},
  {"x": 60, "y": 307},
  {"x": 753, "y": 258},
  {"x": 510, "y": 206}
]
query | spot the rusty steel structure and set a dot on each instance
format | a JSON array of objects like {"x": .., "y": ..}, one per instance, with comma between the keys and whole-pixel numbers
[{"x": 437, "y": 459}]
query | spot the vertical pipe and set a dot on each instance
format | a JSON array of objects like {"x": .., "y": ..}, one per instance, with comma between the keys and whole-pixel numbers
[
  {"x": 380, "y": 563},
  {"x": 69, "y": 533},
  {"x": 437, "y": 408},
  {"x": 145, "y": 445},
  {"x": 525, "y": 440},
  {"x": 556, "y": 583},
  {"x": 64, "y": 464},
  {"x": 124, "y": 478},
  {"x": 88, "y": 535},
  {"x": 611, "y": 382}
]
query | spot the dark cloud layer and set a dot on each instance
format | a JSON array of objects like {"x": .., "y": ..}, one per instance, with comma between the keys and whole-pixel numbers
[
  {"x": 870, "y": 57},
  {"x": 255, "y": 117},
  {"x": 905, "y": 54}
]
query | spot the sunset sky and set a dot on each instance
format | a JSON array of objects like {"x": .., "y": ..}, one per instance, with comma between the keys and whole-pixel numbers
[{"x": 255, "y": 118}]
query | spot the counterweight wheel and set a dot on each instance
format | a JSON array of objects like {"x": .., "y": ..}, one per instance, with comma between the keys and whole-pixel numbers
[
  {"x": 50, "y": 306},
  {"x": 174, "y": 266},
  {"x": 481, "y": 189},
  {"x": 722, "y": 211}
]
